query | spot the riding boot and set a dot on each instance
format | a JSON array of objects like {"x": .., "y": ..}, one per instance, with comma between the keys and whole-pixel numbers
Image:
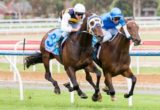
[
  {"x": 96, "y": 47},
  {"x": 60, "y": 47}
]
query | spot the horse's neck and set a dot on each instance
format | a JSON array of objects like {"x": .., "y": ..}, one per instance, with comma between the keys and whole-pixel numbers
[{"x": 84, "y": 39}]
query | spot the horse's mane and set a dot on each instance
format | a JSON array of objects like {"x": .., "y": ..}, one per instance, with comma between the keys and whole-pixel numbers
[{"x": 129, "y": 19}]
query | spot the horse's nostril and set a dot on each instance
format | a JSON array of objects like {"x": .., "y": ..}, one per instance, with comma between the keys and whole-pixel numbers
[{"x": 137, "y": 42}]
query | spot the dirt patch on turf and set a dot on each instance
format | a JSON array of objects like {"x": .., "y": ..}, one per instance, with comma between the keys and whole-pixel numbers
[{"x": 62, "y": 77}]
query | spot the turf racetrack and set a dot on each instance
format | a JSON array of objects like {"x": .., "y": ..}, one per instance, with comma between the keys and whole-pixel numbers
[{"x": 46, "y": 100}]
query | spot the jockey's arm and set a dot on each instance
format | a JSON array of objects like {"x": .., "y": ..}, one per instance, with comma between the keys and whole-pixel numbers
[
  {"x": 124, "y": 25},
  {"x": 65, "y": 24},
  {"x": 126, "y": 31}
]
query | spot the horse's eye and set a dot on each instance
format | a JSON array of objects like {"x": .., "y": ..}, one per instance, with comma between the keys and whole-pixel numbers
[{"x": 92, "y": 23}]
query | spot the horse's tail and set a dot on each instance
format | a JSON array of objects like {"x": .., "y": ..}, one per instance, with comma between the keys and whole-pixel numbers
[{"x": 33, "y": 59}]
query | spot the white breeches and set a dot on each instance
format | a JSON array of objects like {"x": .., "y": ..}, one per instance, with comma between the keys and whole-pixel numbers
[{"x": 109, "y": 33}]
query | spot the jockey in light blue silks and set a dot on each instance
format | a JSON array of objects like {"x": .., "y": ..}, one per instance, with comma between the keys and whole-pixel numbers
[{"x": 112, "y": 22}]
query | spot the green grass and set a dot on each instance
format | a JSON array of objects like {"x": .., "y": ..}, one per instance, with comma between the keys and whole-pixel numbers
[
  {"x": 40, "y": 68},
  {"x": 46, "y": 100}
]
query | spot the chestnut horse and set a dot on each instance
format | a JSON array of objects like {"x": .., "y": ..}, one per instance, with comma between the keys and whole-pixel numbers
[
  {"x": 114, "y": 58},
  {"x": 76, "y": 55}
]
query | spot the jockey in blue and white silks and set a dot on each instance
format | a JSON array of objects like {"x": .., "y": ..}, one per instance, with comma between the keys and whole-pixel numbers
[
  {"x": 112, "y": 22},
  {"x": 71, "y": 19}
]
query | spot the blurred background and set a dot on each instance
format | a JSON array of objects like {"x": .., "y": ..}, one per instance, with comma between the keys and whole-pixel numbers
[{"x": 25, "y": 9}]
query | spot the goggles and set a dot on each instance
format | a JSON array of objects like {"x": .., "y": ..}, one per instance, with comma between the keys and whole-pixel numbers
[
  {"x": 116, "y": 18},
  {"x": 79, "y": 14}
]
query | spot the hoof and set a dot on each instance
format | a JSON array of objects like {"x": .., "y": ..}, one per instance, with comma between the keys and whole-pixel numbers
[
  {"x": 127, "y": 95},
  {"x": 57, "y": 91},
  {"x": 96, "y": 97},
  {"x": 113, "y": 98},
  {"x": 67, "y": 85},
  {"x": 106, "y": 90},
  {"x": 83, "y": 96},
  {"x": 26, "y": 63}
]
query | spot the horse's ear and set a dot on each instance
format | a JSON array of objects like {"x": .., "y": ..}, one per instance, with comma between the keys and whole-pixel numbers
[
  {"x": 129, "y": 18},
  {"x": 88, "y": 13}
]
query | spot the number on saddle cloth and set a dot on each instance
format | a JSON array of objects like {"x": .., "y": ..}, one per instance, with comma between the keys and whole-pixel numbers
[{"x": 51, "y": 43}]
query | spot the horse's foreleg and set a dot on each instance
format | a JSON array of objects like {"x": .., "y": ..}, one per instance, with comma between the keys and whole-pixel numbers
[
  {"x": 92, "y": 68},
  {"x": 130, "y": 75},
  {"x": 71, "y": 73},
  {"x": 110, "y": 89},
  {"x": 48, "y": 76}
]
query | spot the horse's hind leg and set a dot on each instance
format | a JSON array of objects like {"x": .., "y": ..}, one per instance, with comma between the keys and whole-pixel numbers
[
  {"x": 45, "y": 59},
  {"x": 130, "y": 75},
  {"x": 71, "y": 73},
  {"x": 92, "y": 68}
]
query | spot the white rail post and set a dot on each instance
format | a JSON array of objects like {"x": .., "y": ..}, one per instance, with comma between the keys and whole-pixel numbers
[
  {"x": 50, "y": 66},
  {"x": 15, "y": 58},
  {"x": 72, "y": 93},
  {"x": 19, "y": 78},
  {"x": 129, "y": 82},
  {"x": 137, "y": 63},
  {"x": 58, "y": 67}
]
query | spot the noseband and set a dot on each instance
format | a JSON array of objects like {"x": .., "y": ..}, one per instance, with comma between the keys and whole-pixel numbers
[{"x": 124, "y": 33}]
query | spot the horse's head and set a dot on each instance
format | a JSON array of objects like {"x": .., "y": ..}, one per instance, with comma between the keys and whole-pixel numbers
[
  {"x": 93, "y": 25},
  {"x": 133, "y": 29}
]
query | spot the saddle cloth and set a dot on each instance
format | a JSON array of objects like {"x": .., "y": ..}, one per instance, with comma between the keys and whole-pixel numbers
[{"x": 51, "y": 43}]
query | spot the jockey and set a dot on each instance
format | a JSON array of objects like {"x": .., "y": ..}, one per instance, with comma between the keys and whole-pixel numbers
[
  {"x": 112, "y": 22},
  {"x": 71, "y": 19}
]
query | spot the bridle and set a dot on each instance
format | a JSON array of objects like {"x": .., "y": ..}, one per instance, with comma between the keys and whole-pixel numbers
[
  {"x": 132, "y": 38},
  {"x": 92, "y": 22}
]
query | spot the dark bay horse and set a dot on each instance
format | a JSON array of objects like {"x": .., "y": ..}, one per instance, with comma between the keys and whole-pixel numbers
[
  {"x": 76, "y": 55},
  {"x": 115, "y": 59}
]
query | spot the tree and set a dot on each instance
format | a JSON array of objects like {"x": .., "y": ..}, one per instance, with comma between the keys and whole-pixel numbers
[
  {"x": 98, "y": 6},
  {"x": 46, "y": 8},
  {"x": 124, "y": 5},
  {"x": 158, "y": 8},
  {"x": 136, "y": 8}
]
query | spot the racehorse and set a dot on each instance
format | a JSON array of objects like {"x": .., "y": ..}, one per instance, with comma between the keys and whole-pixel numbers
[
  {"x": 76, "y": 55},
  {"x": 114, "y": 58}
]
